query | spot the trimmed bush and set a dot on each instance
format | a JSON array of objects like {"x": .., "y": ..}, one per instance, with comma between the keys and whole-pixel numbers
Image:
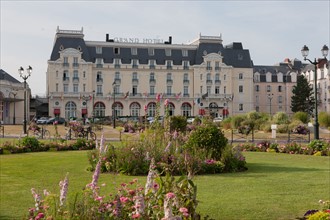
[{"x": 301, "y": 116}]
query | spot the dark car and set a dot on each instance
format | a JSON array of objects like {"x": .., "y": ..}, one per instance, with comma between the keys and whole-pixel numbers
[{"x": 59, "y": 120}]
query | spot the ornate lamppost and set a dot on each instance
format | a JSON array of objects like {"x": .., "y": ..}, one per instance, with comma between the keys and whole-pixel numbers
[
  {"x": 270, "y": 97},
  {"x": 25, "y": 77},
  {"x": 86, "y": 98},
  {"x": 14, "y": 116},
  {"x": 114, "y": 102},
  {"x": 304, "y": 52}
]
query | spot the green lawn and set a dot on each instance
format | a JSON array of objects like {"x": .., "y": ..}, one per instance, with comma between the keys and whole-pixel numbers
[{"x": 276, "y": 186}]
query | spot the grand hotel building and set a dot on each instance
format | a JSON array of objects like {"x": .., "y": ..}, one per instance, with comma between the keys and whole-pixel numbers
[{"x": 94, "y": 78}]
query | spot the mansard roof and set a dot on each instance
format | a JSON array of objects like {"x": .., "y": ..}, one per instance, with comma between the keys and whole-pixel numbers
[
  {"x": 286, "y": 70},
  {"x": 5, "y": 76},
  {"x": 233, "y": 54}
]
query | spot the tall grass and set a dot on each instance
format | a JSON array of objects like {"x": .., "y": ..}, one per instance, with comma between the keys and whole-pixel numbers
[{"x": 276, "y": 186}]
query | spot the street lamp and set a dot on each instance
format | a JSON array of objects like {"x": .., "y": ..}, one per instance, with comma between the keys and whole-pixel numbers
[
  {"x": 93, "y": 105},
  {"x": 25, "y": 77},
  {"x": 114, "y": 102},
  {"x": 86, "y": 98},
  {"x": 304, "y": 52},
  {"x": 14, "y": 116},
  {"x": 270, "y": 97}
]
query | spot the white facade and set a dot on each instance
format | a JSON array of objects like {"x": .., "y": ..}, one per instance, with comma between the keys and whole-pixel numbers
[{"x": 194, "y": 84}]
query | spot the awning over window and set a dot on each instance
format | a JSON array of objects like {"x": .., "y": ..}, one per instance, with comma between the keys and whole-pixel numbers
[
  {"x": 84, "y": 111},
  {"x": 57, "y": 111}
]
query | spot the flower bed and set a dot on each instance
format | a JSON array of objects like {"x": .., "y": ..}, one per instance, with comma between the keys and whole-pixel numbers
[
  {"x": 31, "y": 144},
  {"x": 315, "y": 147}
]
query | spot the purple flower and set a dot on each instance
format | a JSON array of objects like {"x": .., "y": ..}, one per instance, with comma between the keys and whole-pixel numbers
[{"x": 64, "y": 189}]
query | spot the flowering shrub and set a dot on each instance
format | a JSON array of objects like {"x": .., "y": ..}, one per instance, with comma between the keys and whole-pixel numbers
[
  {"x": 163, "y": 197},
  {"x": 315, "y": 147}
]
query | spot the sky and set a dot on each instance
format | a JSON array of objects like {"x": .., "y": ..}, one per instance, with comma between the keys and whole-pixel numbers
[{"x": 270, "y": 30}]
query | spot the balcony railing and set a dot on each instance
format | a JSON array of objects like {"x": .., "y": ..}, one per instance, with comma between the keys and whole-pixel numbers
[
  {"x": 117, "y": 66},
  {"x": 135, "y": 80},
  {"x": 217, "y": 68},
  {"x": 66, "y": 79},
  {"x": 99, "y": 65},
  {"x": 66, "y": 64},
  {"x": 75, "y": 79},
  {"x": 75, "y": 65},
  {"x": 169, "y": 81},
  {"x": 186, "y": 81},
  {"x": 208, "y": 68},
  {"x": 217, "y": 81},
  {"x": 169, "y": 67},
  {"x": 152, "y": 80},
  {"x": 135, "y": 66},
  {"x": 99, "y": 94},
  {"x": 186, "y": 67},
  {"x": 99, "y": 79},
  {"x": 152, "y": 66},
  {"x": 209, "y": 81}
]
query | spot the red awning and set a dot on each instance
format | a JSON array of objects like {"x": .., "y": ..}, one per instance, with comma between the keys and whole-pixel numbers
[
  {"x": 84, "y": 111},
  {"x": 57, "y": 111}
]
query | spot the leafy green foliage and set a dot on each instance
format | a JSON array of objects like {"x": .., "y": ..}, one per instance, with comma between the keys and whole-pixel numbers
[
  {"x": 209, "y": 138},
  {"x": 178, "y": 123},
  {"x": 281, "y": 118},
  {"x": 324, "y": 119},
  {"x": 301, "y": 116}
]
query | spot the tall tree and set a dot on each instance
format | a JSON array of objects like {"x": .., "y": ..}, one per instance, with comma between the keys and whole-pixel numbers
[{"x": 302, "y": 99}]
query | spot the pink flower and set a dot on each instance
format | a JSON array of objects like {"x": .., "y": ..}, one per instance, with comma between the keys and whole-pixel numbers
[
  {"x": 166, "y": 102},
  {"x": 156, "y": 186},
  {"x": 183, "y": 209},
  {"x": 40, "y": 215},
  {"x": 123, "y": 199},
  {"x": 137, "y": 215},
  {"x": 64, "y": 189},
  {"x": 170, "y": 195},
  {"x": 145, "y": 108}
]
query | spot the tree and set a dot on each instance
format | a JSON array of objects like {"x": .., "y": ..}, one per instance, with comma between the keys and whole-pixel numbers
[{"x": 303, "y": 96}]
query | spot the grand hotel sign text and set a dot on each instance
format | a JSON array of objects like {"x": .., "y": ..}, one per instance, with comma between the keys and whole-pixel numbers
[{"x": 135, "y": 40}]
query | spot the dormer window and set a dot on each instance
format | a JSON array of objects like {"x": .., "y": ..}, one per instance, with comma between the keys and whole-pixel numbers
[
  {"x": 185, "y": 65},
  {"x": 98, "y": 50},
  {"x": 168, "y": 52},
  {"x": 151, "y": 51},
  {"x": 134, "y": 51},
  {"x": 169, "y": 64},
  {"x": 134, "y": 63}
]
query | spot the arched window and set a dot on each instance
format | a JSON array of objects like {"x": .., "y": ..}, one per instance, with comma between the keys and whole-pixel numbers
[
  {"x": 118, "y": 107},
  {"x": 151, "y": 111},
  {"x": 135, "y": 109},
  {"x": 186, "y": 109},
  {"x": 170, "y": 108},
  {"x": 99, "y": 109},
  {"x": 70, "y": 109}
]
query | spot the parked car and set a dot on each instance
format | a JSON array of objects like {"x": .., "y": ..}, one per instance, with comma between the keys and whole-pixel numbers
[
  {"x": 160, "y": 120},
  {"x": 190, "y": 120},
  {"x": 59, "y": 120},
  {"x": 217, "y": 119},
  {"x": 42, "y": 120}
]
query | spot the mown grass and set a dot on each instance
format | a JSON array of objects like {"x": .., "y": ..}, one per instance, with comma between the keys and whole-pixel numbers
[{"x": 276, "y": 186}]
